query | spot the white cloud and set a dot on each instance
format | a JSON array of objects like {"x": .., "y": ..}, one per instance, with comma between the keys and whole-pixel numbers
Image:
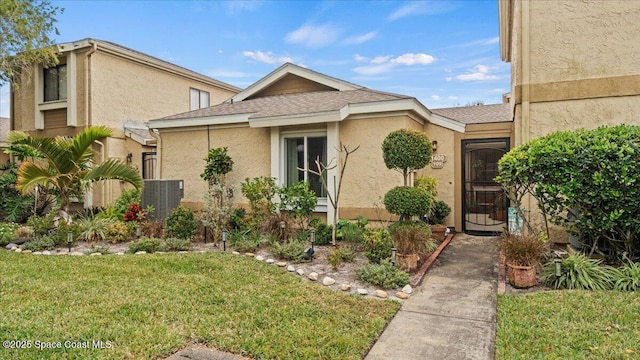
[
  {"x": 380, "y": 59},
  {"x": 268, "y": 57},
  {"x": 413, "y": 59},
  {"x": 420, "y": 8},
  {"x": 478, "y": 73},
  {"x": 360, "y": 58},
  {"x": 435, "y": 97},
  {"x": 374, "y": 69},
  {"x": 361, "y": 39},
  {"x": 448, "y": 78},
  {"x": 385, "y": 63},
  {"x": 314, "y": 36}
]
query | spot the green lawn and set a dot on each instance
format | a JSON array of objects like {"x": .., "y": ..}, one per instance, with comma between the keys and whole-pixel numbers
[
  {"x": 569, "y": 325},
  {"x": 150, "y": 306}
]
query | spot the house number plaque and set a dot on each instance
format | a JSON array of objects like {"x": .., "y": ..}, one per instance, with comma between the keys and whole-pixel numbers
[{"x": 437, "y": 161}]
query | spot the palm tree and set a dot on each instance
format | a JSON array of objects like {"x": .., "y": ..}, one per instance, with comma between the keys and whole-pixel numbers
[{"x": 66, "y": 164}]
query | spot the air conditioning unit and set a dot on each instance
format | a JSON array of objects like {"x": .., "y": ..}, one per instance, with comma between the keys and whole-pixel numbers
[{"x": 163, "y": 195}]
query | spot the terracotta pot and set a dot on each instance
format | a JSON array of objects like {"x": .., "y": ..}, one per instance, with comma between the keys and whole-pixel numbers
[
  {"x": 408, "y": 262},
  {"x": 521, "y": 276},
  {"x": 437, "y": 232},
  {"x": 500, "y": 215}
]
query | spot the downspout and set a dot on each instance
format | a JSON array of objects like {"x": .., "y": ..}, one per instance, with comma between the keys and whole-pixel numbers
[
  {"x": 87, "y": 84},
  {"x": 158, "y": 153}
]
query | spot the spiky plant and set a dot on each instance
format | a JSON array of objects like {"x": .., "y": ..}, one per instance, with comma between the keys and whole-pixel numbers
[{"x": 579, "y": 272}]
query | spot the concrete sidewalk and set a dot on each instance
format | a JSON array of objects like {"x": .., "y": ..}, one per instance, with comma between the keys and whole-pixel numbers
[{"x": 452, "y": 315}]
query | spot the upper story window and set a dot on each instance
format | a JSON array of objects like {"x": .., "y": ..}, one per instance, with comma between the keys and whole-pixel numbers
[
  {"x": 301, "y": 152},
  {"x": 199, "y": 99},
  {"x": 55, "y": 83}
]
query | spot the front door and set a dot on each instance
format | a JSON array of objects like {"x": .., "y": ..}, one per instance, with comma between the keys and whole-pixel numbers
[{"x": 484, "y": 205}]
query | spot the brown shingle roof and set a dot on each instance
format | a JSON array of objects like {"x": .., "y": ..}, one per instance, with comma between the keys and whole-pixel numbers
[
  {"x": 480, "y": 114},
  {"x": 291, "y": 104}
]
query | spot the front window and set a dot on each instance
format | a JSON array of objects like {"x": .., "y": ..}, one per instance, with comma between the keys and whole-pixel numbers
[
  {"x": 55, "y": 83},
  {"x": 301, "y": 152},
  {"x": 199, "y": 99}
]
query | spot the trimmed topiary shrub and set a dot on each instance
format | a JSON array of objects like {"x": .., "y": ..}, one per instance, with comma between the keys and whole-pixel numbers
[
  {"x": 218, "y": 165},
  {"x": 407, "y": 201},
  {"x": 406, "y": 150}
]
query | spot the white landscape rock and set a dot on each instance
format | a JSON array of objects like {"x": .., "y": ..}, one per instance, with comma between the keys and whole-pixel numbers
[
  {"x": 260, "y": 258},
  {"x": 96, "y": 254},
  {"x": 402, "y": 295},
  {"x": 290, "y": 268},
  {"x": 345, "y": 287},
  {"x": 300, "y": 272},
  {"x": 140, "y": 252},
  {"x": 382, "y": 294},
  {"x": 235, "y": 253},
  {"x": 270, "y": 261},
  {"x": 363, "y": 291},
  {"x": 313, "y": 276},
  {"x": 46, "y": 252},
  {"x": 119, "y": 253},
  {"x": 327, "y": 281},
  {"x": 76, "y": 253},
  {"x": 37, "y": 253},
  {"x": 281, "y": 264},
  {"x": 407, "y": 289}
]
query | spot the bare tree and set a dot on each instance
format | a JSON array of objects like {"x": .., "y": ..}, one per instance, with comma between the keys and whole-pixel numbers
[{"x": 322, "y": 170}]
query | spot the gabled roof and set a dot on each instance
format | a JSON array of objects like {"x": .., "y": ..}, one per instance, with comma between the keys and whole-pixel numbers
[
  {"x": 479, "y": 114},
  {"x": 141, "y": 57},
  {"x": 330, "y": 100},
  {"x": 289, "y": 68}
]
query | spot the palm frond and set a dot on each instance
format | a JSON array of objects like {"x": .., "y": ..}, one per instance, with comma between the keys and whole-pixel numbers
[
  {"x": 83, "y": 141},
  {"x": 30, "y": 175},
  {"x": 114, "y": 169}
]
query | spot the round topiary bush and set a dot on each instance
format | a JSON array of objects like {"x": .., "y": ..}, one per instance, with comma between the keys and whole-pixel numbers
[
  {"x": 406, "y": 150},
  {"x": 408, "y": 201}
]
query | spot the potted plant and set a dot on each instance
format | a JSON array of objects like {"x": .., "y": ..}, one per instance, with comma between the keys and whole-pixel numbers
[
  {"x": 522, "y": 254},
  {"x": 439, "y": 212}
]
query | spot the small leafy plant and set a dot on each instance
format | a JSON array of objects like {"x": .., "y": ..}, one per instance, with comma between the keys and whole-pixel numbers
[
  {"x": 173, "y": 244},
  {"x": 43, "y": 243},
  {"x": 292, "y": 251},
  {"x": 579, "y": 272},
  {"x": 377, "y": 245},
  {"x": 627, "y": 278},
  {"x": 340, "y": 255},
  {"x": 181, "y": 223},
  {"x": 385, "y": 275},
  {"x": 149, "y": 245}
]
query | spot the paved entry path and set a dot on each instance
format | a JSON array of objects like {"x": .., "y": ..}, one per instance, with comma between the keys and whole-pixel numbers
[{"x": 452, "y": 315}]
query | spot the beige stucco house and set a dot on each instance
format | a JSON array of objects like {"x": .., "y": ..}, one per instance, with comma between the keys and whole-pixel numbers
[
  {"x": 574, "y": 64},
  {"x": 101, "y": 83},
  {"x": 293, "y": 115}
]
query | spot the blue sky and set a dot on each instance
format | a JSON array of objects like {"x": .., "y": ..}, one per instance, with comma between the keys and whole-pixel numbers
[{"x": 444, "y": 53}]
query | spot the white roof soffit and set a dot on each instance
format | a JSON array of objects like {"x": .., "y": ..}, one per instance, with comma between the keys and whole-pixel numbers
[
  {"x": 200, "y": 121},
  {"x": 448, "y": 123},
  {"x": 289, "y": 68}
]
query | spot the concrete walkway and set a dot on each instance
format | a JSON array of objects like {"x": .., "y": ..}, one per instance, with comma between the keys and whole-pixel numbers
[{"x": 452, "y": 315}]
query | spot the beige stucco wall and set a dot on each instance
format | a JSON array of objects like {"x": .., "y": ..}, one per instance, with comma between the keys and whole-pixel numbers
[
  {"x": 446, "y": 176},
  {"x": 122, "y": 89},
  {"x": 183, "y": 154},
  {"x": 367, "y": 178}
]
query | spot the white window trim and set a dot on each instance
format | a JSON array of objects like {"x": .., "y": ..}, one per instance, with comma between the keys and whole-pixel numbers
[
  {"x": 69, "y": 103},
  {"x": 280, "y": 179}
]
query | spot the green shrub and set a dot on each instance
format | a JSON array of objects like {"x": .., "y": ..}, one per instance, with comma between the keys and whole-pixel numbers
[
  {"x": 149, "y": 245},
  {"x": 181, "y": 223},
  {"x": 244, "y": 241},
  {"x": 439, "y": 212},
  {"x": 260, "y": 191},
  {"x": 298, "y": 200},
  {"x": 42, "y": 225},
  {"x": 292, "y": 251},
  {"x": 377, "y": 245},
  {"x": 173, "y": 244},
  {"x": 7, "y": 233},
  {"x": 118, "y": 232},
  {"x": 323, "y": 231},
  {"x": 579, "y": 272},
  {"x": 46, "y": 242},
  {"x": 340, "y": 255},
  {"x": 122, "y": 203},
  {"x": 407, "y": 201},
  {"x": 61, "y": 236},
  {"x": 385, "y": 275},
  {"x": 153, "y": 228},
  {"x": 93, "y": 228},
  {"x": 428, "y": 183},
  {"x": 238, "y": 220},
  {"x": 406, "y": 150},
  {"x": 627, "y": 278}
]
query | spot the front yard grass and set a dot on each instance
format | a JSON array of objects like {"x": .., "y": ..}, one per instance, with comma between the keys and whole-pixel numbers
[
  {"x": 150, "y": 306},
  {"x": 569, "y": 325}
]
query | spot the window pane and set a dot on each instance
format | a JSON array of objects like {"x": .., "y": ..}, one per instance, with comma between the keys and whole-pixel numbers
[
  {"x": 294, "y": 159},
  {"x": 50, "y": 84},
  {"x": 317, "y": 150},
  {"x": 62, "y": 82},
  {"x": 204, "y": 99},
  {"x": 194, "y": 96}
]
